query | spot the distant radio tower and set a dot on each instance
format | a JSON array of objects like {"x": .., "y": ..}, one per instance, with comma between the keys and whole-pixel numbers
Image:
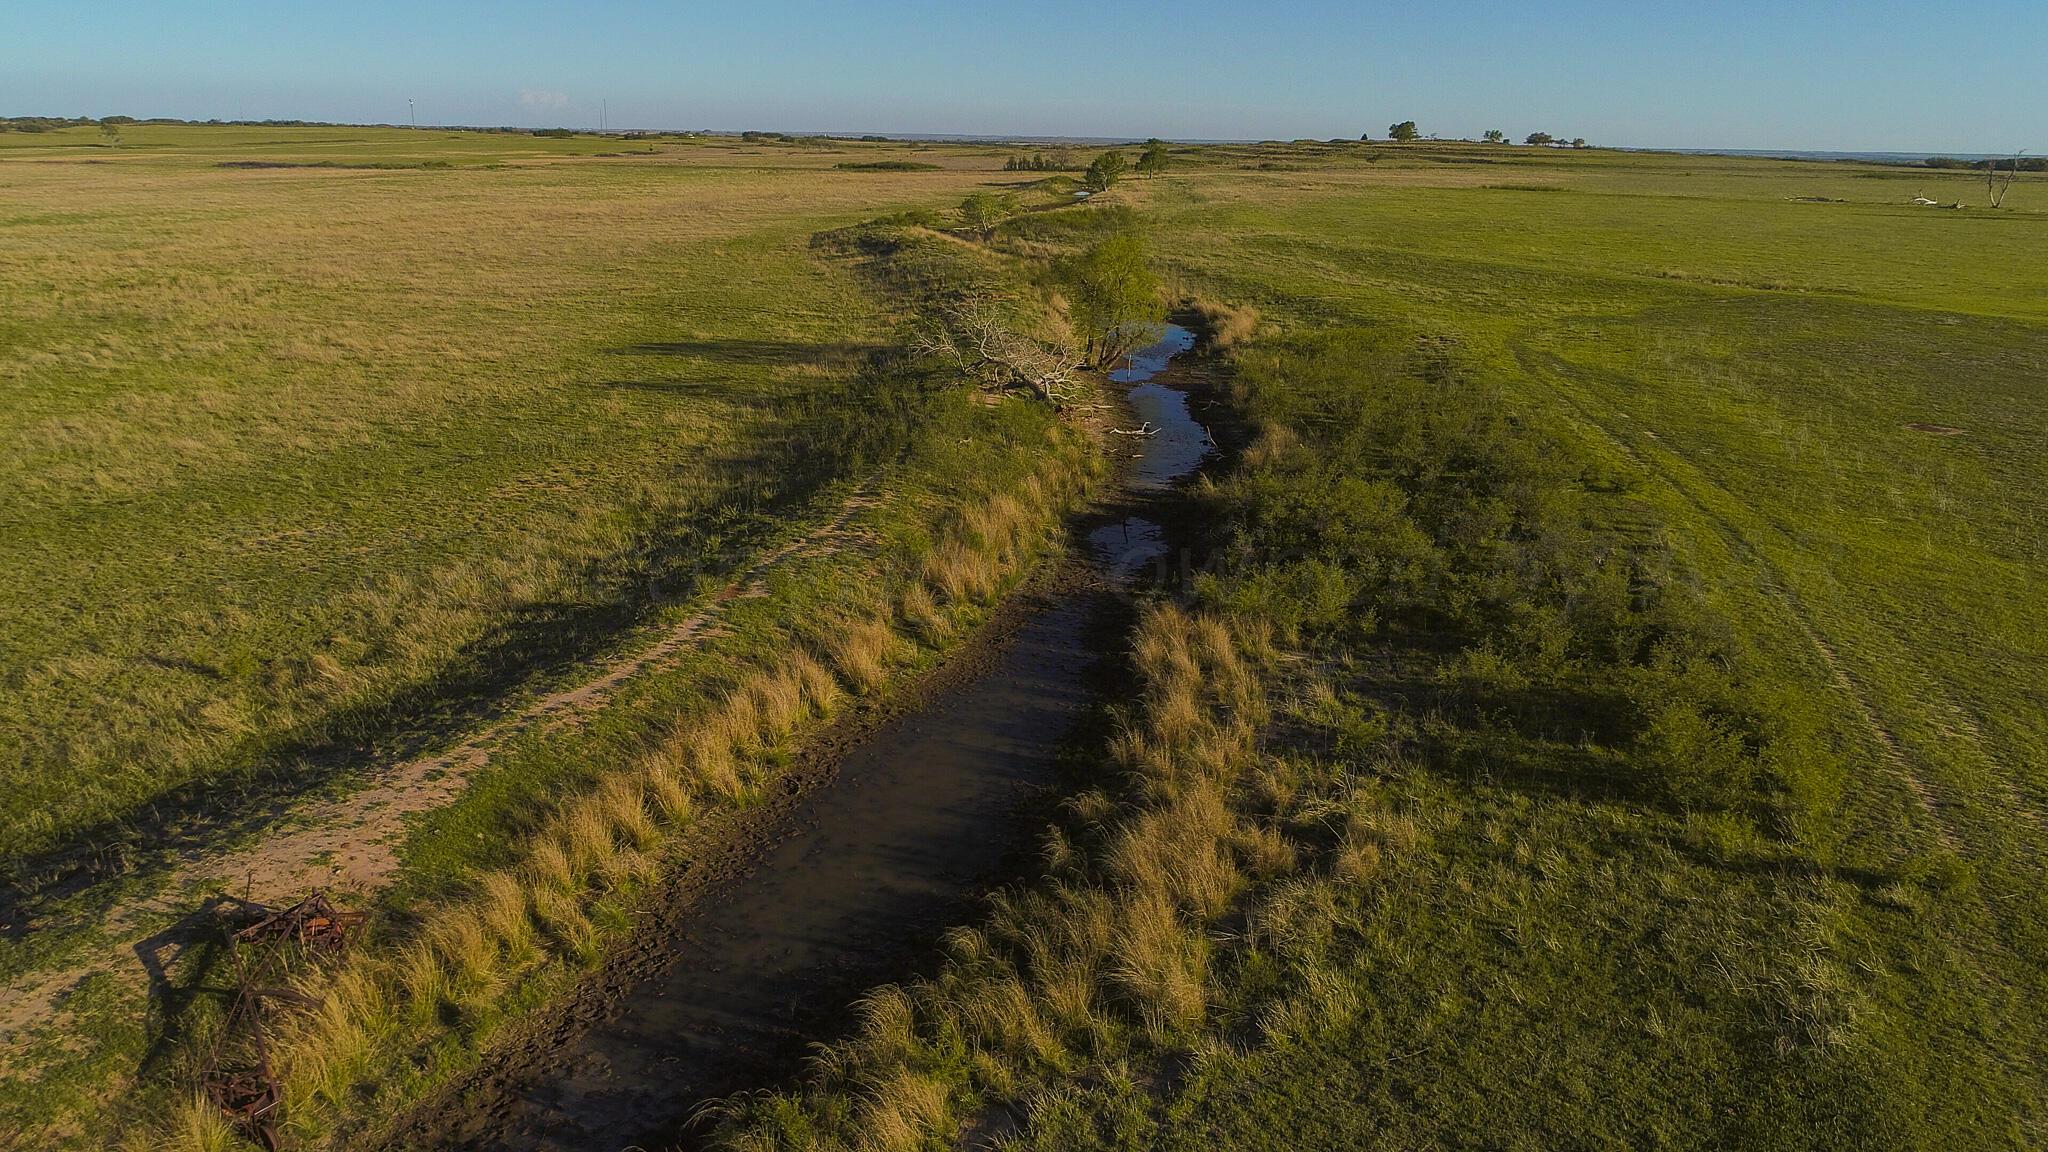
[{"x": 409, "y": 112}]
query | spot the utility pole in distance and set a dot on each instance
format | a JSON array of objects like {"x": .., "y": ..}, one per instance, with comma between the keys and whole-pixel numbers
[
  {"x": 603, "y": 109},
  {"x": 415, "y": 116}
]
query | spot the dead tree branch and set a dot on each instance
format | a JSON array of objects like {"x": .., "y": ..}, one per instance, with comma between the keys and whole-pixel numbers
[
  {"x": 1997, "y": 190},
  {"x": 977, "y": 333}
]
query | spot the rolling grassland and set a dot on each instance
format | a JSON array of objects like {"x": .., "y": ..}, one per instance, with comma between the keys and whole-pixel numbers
[
  {"x": 1605, "y": 710},
  {"x": 294, "y": 454}
]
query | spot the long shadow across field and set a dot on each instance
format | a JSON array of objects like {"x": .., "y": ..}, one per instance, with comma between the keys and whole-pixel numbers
[{"x": 673, "y": 557}]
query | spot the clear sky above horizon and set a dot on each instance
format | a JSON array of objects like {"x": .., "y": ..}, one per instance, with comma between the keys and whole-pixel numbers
[{"x": 1812, "y": 74}]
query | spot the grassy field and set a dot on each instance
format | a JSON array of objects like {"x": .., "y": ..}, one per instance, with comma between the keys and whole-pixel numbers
[
  {"x": 1838, "y": 406},
  {"x": 1612, "y": 717},
  {"x": 1612, "y": 720},
  {"x": 291, "y": 454},
  {"x": 315, "y": 469}
]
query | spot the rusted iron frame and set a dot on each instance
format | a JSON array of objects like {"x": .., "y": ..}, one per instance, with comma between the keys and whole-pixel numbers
[{"x": 252, "y": 1095}]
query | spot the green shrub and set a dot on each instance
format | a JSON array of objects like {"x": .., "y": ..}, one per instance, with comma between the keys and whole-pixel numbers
[{"x": 1698, "y": 760}]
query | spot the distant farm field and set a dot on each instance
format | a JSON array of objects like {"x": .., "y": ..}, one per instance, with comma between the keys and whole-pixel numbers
[{"x": 291, "y": 453}]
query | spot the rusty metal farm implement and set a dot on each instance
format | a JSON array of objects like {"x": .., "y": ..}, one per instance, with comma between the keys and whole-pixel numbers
[{"x": 237, "y": 1075}]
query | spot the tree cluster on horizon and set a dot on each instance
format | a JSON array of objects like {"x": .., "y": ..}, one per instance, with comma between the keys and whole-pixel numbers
[{"x": 1406, "y": 131}]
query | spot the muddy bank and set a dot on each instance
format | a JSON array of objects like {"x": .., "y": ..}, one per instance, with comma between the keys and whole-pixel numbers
[{"x": 885, "y": 834}]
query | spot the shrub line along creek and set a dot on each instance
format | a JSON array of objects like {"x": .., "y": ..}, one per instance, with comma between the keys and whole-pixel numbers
[{"x": 853, "y": 879}]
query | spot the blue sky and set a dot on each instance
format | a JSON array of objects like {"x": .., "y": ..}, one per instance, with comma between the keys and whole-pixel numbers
[{"x": 1940, "y": 75}]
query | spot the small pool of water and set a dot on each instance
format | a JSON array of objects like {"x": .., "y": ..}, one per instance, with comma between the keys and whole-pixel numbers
[{"x": 1176, "y": 447}]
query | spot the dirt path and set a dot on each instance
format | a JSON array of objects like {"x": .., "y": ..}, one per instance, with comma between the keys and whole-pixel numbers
[{"x": 353, "y": 842}]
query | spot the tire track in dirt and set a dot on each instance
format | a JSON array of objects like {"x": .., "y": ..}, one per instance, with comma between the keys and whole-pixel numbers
[
  {"x": 1773, "y": 583},
  {"x": 353, "y": 842}
]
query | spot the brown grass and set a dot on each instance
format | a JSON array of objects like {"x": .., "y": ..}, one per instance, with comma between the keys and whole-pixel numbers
[
  {"x": 548, "y": 865},
  {"x": 623, "y": 800},
  {"x": 927, "y": 623},
  {"x": 1227, "y": 325},
  {"x": 860, "y": 650}
]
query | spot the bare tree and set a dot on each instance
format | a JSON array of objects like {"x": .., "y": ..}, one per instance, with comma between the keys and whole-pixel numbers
[
  {"x": 1998, "y": 190},
  {"x": 978, "y": 333}
]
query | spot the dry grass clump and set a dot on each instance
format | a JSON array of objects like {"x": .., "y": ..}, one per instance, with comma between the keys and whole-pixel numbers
[
  {"x": 548, "y": 865},
  {"x": 899, "y": 1111},
  {"x": 196, "y": 1126},
  {"x": 1159, "y": 965},
  {"x": 666, "y": 789},
  {"x": 928, "y": 624},
  {"x": 959, "y": 574},
  {"x": 779, "y": 703},
  {"x": 821, "y": 692},
  {"x": 1227, "y": 324},
  {"x": 861, "y": 651},
  {"x": 586, "y": 831},
  {"x": 466, "y": 945},
  {"x": 560, "y": 915},
  {"x": 736, "y": 727},
  {"x": 422, "y": 982},
  {"x": 623, "y": 800},
  {"x": 1004, "y": 1010},
  {"x": 714, "y": 765},
  {"x": 502, "y": 903}
]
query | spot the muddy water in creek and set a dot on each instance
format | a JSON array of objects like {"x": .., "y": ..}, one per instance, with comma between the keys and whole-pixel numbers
[{"x": 859, "y": 873}]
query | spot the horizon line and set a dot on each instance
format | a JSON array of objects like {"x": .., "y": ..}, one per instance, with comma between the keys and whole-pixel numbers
[{"x": 1021, "y": 138}]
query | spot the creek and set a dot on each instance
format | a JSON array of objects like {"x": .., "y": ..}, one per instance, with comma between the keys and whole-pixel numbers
[{"x": 852, "y": 882}]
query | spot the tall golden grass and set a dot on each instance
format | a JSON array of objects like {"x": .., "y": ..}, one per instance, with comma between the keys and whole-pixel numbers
[{"x": 1227, "y": 325}]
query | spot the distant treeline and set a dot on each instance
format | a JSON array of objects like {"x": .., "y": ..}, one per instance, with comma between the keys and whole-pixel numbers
[
  {"x": 54, "y": 123},
  {"x": 2015, "y": 163},
  {"x": 887, "y": 166},
  {"x": 1054, "y": 160}
]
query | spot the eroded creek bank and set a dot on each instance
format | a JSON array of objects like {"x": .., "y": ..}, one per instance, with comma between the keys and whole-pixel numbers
[{"x": 885, "y": 834}]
